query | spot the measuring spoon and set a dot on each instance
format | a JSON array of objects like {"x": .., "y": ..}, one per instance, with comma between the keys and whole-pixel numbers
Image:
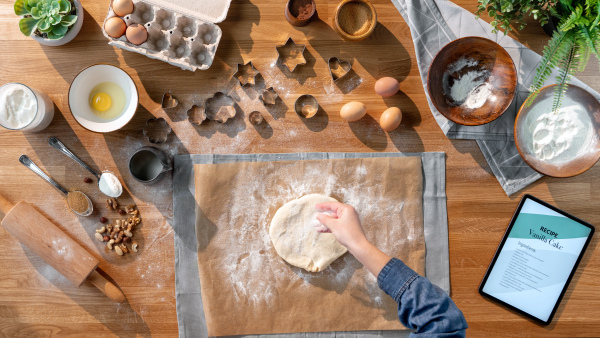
[
  {"x": 26, "y": 161},
  {"x": 53, "y": 141}
]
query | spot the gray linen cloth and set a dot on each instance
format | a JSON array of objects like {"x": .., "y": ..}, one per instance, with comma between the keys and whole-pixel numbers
[
  {"x": 190, "y": 311},
  {"x": 433, "y": 24}
]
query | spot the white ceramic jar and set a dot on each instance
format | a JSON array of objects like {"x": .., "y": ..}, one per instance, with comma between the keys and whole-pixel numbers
[{"x": 37, "y": 115}]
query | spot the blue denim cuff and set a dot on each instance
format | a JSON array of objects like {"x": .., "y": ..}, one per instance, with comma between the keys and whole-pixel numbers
[{"x": 395, "y": 278}]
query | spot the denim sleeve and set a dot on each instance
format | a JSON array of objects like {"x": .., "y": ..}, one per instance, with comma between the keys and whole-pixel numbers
[{"x": 422, "y": 306}]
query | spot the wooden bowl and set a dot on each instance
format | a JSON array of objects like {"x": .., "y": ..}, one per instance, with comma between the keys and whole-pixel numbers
[
  {"x": 293, "y": 20},
  {"x": 576, "y": 165},
  {"x": 347, "y": 35},
  {"x": 502, "y": 76}
]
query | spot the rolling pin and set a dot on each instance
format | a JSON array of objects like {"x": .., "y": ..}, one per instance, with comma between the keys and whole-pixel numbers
[{"x": 57, "y": 249}]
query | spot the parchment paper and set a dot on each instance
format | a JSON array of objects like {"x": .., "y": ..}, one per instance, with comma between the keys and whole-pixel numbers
[{"x": 248, "y": 289}]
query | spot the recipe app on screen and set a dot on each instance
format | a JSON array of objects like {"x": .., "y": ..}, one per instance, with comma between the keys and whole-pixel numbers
[{"x": 536, "y": 260}]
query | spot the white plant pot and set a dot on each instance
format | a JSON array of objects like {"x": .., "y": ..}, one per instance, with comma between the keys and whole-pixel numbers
[{"x": 71, "y": 34}]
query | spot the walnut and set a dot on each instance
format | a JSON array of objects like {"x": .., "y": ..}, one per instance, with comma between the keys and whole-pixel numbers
[{"x": 112, "y": 203}]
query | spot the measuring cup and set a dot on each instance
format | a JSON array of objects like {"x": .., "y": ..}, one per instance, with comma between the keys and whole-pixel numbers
[
  {"x": 148, "y": 164},
  {"x": 26, "y": 161}
]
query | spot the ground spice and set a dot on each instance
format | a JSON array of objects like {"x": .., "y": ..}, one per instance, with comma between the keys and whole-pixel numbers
[
  {"x": 355, "y": 18},
  {"x": 301, "y": 9},
  {"x": 77, "y": 201}
]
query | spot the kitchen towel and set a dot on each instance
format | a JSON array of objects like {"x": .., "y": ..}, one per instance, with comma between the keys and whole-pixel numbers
[
  {"x": 190, "y": 311},
  {"x": 433, "y": 24}
]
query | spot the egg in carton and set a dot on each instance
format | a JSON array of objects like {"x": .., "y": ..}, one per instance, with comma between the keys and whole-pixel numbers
[{"x": 180, "y": 40}]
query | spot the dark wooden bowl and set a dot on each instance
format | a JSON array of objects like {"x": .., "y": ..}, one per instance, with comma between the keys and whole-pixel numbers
[
  {"x": 565, "y": 169},
  {"x": 502, "y": 77},
  {"x": 293, "y": 20}
]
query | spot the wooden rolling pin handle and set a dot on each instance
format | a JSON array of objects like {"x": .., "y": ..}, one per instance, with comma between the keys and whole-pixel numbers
[
  {"x": 107, "y": 288},
  {"x": 5, "y": 205}
]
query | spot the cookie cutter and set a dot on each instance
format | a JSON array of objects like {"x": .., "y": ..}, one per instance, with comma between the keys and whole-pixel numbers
[
  {"x": 168, "y": 101},
  {"x": 255, "y": 118},
  {"x": 338, "y": 68},
  {"x": 220, "y": 107},
  {"x": 246, "y": 74},
  {"x": 290, "y": 51},
  {"x": 306, "y": 106},
  {"x": 157, "y": 130},
  {"x": 268, "y": 97},
  {"x": 196, "y": 115}
]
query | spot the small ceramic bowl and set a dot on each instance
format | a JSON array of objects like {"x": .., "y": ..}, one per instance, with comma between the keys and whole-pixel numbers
[
  {"x": 491, "y": 59},
  {"x": 350, "y": 7},
  {"x": 79, "y": 93},
  {"x": 526, "y": 130}
]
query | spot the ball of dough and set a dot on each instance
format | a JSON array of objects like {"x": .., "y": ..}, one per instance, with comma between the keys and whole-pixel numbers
[{"x": 296, "y": 239}]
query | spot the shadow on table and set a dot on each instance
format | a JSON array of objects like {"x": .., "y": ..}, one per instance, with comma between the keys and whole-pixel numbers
[
  {"x": 127, "y": 324},
  {"x": 94, "y": 51},
  {"x": 405, "y": 138}
]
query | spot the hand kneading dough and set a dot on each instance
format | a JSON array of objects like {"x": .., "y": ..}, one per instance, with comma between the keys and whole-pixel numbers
[{"x": 296, "y": 239}]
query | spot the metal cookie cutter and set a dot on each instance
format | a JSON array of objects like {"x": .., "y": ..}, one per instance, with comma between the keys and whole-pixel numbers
[
  {"x": 268, "y": 96},
  {"x": 157, "y": 130},
  {"x": 246, "y": 74},
  {"x": 291, "y": 55},
  {"x": 220, "y": 107},
  {"x": 168, "y": 101},
  {"x": 306, "y": 106},
  {"x": 338, "y": 68}
]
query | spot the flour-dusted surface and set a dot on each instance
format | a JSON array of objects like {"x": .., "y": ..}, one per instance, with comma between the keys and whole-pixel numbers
[
  {"x": 248, "y": 289},
  {"x": 293, "y": 231}
]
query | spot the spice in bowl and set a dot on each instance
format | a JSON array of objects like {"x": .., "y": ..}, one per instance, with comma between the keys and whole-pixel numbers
[
  {"x": 79, "y": 203},
  {"x": 300, "y": 12},
  {"x": 355, "y": 19}
]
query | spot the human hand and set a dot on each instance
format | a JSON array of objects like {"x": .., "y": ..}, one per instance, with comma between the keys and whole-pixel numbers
[{"x": 343, "y": 222}]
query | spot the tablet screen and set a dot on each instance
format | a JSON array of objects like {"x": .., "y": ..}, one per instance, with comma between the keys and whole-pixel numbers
[{"x": 536, "y": 258}]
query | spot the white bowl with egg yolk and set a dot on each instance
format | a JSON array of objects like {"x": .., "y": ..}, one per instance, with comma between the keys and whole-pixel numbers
[{"x": 79, "y": 97}]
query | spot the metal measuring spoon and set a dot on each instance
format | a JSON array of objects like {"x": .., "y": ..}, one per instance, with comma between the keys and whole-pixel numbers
[
  {"x": 26, "y": 161},
  {"x": 53, "y": 141}
]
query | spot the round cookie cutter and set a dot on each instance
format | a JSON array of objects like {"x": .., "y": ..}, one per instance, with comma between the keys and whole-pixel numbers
[{"x": 306, "y": 106}]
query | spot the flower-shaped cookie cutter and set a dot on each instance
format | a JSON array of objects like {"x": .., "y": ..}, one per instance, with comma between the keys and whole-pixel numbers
[
  {"x": 338, "y": 68},
  {"x": 157, "y": 130},
  {"x": 196, "y": 115},
  {"x": 291, "y": 55},
  {"x": 268, "y": 97},
  {"x": 246, "y": 74},
  {"x": 168, "y": 101},
  {"x": 220, "y": 107}
]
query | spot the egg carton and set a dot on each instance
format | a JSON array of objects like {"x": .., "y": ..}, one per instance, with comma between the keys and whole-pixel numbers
[{"x": 183, "y": 41}]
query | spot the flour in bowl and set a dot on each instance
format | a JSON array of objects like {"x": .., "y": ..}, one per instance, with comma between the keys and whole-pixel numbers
[{"x": 467, "y": 87}]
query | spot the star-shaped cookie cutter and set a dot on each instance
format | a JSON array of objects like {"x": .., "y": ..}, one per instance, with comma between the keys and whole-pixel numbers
[
  {"x": 291, "y": 53},
  {"x": 246, "y": 74}
]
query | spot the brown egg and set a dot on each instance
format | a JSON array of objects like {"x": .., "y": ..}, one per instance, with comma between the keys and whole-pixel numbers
[
  {"x": 387, "y": 86},
  {"x": 122, "y": 7},
  {"x": 115, "y": 27},
  {"x": 137, "y": 34},
  {"x": 390, "y": 119},
  {"x": 353, "y": 111}
]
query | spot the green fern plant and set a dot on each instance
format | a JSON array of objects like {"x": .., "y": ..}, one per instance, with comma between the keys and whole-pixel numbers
[{"x": 569, "y": 49}]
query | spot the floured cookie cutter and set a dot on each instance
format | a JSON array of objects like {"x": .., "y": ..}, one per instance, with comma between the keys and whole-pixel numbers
[
  {"x": 306, "y": 106},
  {"x": 157, "y": 130},
  {"x": 196, "y": 115},
  {"x": 220, "y": 107},
  {"x": 268, "y": 97},
  {"x": 338, "y": 68},
  {"x": 168, "y": 101},
  {"x": 246, "y": 74},
  {"x": 255, "y": 118},
  {"x": 291, "y": 55}
]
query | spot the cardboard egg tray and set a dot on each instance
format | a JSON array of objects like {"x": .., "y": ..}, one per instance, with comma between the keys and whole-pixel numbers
[{"x": 183, "y": 41}]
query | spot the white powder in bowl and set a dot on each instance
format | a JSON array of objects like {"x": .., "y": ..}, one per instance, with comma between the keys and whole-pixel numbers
[
  {"x": 109, "y": 185},
  {"x": 17, "y": 106},
  {"x": 469, "y": 88}
]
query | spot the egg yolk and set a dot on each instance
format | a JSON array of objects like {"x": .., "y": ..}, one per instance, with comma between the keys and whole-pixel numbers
[{"x": 101, "y": 102}]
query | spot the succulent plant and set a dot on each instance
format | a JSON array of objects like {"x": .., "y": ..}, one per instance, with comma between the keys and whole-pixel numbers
[{"x": 48, "y": 16}]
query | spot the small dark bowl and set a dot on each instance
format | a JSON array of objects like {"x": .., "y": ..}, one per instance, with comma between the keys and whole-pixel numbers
[
  {"x": 577, "y": 165},
  {"x": 293, "y": 20},
  {"x": 502, "y": 77}
]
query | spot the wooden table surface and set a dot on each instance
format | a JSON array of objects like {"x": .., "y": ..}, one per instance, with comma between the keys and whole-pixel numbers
[{"x": 36, "y": 301}]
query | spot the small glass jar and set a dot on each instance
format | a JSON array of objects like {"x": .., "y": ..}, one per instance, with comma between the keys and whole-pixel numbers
[{"x": 44, "y": 109}]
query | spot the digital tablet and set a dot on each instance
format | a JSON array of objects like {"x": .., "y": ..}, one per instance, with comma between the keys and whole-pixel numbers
[{"x": 536, "y": 259}]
